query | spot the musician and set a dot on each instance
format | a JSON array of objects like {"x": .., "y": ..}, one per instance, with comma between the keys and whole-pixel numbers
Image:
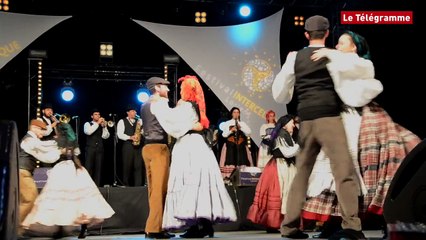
[
  {"x": 133, "y": 166},
  {"x": 95, "y": 130},
  {"x": 235, "y": 151},
  {"x": 48, "y": 117}
]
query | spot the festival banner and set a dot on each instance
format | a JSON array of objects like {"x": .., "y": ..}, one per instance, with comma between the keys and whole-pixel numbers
[
  {"x": 238, "y": 63},
  {"x": 17, "y": 31}
]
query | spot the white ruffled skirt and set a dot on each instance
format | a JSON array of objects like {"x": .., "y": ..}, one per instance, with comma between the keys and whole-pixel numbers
[
  {"x": 195, "y": 187},
  {"x": 69, "y": 198}
]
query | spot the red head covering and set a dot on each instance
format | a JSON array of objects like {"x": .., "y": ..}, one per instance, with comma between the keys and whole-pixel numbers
[
  {"x": 191, "y": 90},
  {"x": 267, "y": 115}
]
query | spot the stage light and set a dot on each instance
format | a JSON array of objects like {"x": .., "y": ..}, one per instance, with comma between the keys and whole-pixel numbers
[
  {"x": 200, "y": 17},
  {"x": 39, "y": 86},
  {"x": 143, "y": 95},
  {"x": 106, "y": 50},
  {"x": 245, "y": 35},
  {"x": 4, "y": 5},
  {"x": 245, "y": 10},
  {"x": 299, "y": 21},
  {"x": 67, "y": 92}
]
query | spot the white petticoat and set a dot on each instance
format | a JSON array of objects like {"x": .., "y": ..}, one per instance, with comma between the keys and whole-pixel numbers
[
  {"x": 195, "y": 187},
  {"x": 69, "y": 198}
]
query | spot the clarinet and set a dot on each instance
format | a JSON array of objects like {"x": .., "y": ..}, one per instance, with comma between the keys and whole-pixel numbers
[{"x": 236, "y": 132}]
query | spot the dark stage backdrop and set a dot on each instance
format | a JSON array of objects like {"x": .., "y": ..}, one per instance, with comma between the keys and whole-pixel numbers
[
  {"x": 108, "y": 97},
  {"x": 112, "y": 97}
]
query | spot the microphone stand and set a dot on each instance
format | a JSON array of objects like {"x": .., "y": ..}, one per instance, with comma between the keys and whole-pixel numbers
[
  {"x": 114, "y": 184},
  {"x": 77, "y": 123}
]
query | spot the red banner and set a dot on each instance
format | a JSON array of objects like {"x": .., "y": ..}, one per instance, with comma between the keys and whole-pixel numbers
[{"x": 376, "y": 17}]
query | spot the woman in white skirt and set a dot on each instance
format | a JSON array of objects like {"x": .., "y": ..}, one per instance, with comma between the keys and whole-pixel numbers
[
  {"x": 70, "y": 197},
  {"x": 196, "y": 194}
]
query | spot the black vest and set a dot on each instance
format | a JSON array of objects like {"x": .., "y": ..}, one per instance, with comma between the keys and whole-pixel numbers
[
  {"x": 27, "y": 161},
  {"x": 128, "y": 128},
  {"x": 95, "y": 139},
  {"x": 314, "y": 87},
  {"x": 152, "y": 130},
  {"x": 51, "y": 135}
]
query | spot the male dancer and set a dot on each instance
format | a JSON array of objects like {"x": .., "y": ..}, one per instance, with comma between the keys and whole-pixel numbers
[
  {"x": 156, "y": 155},
  {"x": 32, "y": 150},
  {"x": 318, "y": 107}
]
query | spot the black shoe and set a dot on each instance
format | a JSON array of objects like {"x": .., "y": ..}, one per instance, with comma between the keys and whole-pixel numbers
[
  {"x": 82, "y": 235},
  {"x": 193, "y": 232},
  {"x": 169, "y": 234},
  {"x": 321, "y": 236},
  {"x": 83, "y": 231},
  {"x": 23, "y": 237},
  {"x": 59, "y": 233},
  {"x": 296, "y": 235},
  {"x": 325, "y": 233},
  {"x": 272, "y": 230},
  {"x": 347, "y": 234},
  {"x": 160, "y": 235},
  {"x": 328, "y": 230},
  {"x": 206, "y": 228},
  {"x": 196, "y": 232}
]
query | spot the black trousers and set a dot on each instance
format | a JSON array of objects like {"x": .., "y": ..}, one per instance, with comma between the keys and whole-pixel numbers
[
  {"x": 94, "y": 160},
  {"x": 133, "y": 166}
]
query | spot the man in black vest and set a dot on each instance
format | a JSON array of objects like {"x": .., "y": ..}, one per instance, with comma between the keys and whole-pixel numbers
[
  {"x": 51, "y": 121},
  {"x": 96, "y": 130},
  {"x": 156, "y": 155},
  {"x": 321, "y": 127},
  {"x": 33, "y": 150},
  {"x": 133, "y": 166},
  {"x": 49, "y": 118}
]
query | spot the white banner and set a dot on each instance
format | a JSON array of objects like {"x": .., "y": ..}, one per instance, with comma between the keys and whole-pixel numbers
[
  {"x": 238, "y": 62},
  {"x": 17, "y": 31}
]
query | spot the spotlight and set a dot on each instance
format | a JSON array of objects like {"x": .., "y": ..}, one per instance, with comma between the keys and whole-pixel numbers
[
  {"x": 106, "y": 50},
  {"x": 143, "y": 94},
  {"x": 67, "y": 92},
  {"x": 200, "y": 17},
  {"x": 299, "y": 21},
  {"x": 245, "y": 10},
  {"x": 4, "y": 5}
]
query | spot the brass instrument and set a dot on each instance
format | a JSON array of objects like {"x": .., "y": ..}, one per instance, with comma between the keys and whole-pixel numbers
[
  {"x": 110, "y": 123},
  {"x": 137, "y": 134},
  {"x": 105, "y": 123},
  {"x": 63, "y": 118}
]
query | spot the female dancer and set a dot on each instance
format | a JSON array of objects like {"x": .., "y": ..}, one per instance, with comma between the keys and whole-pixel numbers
[
  {"x": 70, "y": 197},
  {"x": 270, "y": 200},
  {"x": 196, "y": 194}
]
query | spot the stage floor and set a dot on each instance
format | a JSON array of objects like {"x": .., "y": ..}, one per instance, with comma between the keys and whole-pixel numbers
[{"x": 371, "y": 234}]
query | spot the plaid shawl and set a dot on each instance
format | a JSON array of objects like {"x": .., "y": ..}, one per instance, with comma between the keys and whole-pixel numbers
[{"x": 382, "y": 147}]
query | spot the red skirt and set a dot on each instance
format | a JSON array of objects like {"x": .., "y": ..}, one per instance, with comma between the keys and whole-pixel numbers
[{"x": 266, "y": 207}]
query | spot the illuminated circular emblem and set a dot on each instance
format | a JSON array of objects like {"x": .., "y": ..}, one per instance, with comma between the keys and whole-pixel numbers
[{"x": 257, "y": 75}]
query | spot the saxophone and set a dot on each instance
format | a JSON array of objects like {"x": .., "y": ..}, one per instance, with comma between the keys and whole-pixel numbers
[{"x": 138, "y": 133}]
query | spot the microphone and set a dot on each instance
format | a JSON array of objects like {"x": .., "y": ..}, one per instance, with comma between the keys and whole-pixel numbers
[
  {"x": 112, "y": 114},
  {"x": 74, "y": 117}
]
